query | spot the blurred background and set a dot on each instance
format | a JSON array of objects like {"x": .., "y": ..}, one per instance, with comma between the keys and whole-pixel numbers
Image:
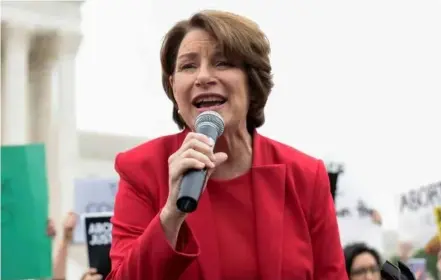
[{"x": 84, "y": 79}]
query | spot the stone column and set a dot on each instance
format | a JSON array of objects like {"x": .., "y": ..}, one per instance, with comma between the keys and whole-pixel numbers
[
  {"x": 15, "y": 96},
  {"x": 67, "y": 141},
  {"x": 43, "y": 100},
  {"x": 44, "y": 105},
  {"x": 64, "y": 83}
]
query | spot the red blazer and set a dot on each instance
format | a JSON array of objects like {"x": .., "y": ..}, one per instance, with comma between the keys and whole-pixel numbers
[{"x": 297, "y": 232}]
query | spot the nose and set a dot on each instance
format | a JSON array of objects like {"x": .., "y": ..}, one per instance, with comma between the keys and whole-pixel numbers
[
  {"x": 369, "y": 276},
  {"x": 205, "y": 76}
]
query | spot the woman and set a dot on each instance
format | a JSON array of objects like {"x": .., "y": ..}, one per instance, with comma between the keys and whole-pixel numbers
[
  {"x": 266, "y": 212},
  {"x": 362, "y": 262}
]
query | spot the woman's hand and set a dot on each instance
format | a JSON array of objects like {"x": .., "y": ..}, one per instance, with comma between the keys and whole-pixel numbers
[
  {"x": 91, "y": 275},
  {"x": 196, "y": 152}
]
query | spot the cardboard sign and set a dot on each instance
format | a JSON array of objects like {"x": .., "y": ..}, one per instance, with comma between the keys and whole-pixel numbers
[
  {"x": 25, "y": 246},
  {"x": 98, "y": 234},
  {"x": 415, "y": 214},
  {"x": 92, "y": 195}
]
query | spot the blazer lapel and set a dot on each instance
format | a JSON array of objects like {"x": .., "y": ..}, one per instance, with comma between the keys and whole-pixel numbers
[{"x": 269, "y": 203}]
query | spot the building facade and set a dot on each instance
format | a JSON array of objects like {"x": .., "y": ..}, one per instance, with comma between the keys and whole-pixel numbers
[{"x": 39, "y": 43}]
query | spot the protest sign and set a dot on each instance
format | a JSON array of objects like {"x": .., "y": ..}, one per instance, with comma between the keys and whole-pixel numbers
[
  {"x": 357, "y": 220},
  {"x": 92, "y": 195},
  {"x": 416, "y": 221},
  {"x": 25, "y": 246},
  {"x": 98, "y": 233}
]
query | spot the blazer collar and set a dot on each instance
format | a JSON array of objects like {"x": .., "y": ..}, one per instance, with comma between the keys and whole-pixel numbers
[
  {"x": 262, "y": 148},
  {"x": 268, "y": 188}
]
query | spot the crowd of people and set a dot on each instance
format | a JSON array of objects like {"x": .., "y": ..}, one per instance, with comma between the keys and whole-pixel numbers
[{"x": 362, "y": 262}]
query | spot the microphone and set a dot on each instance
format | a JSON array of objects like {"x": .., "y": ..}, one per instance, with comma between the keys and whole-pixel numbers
[{"x": 210, "y": 124}]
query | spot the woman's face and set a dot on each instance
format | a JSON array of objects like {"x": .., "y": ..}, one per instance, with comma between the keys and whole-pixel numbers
[
  {"x": 205, "y": 79},
  {"x": 365, "y": 267}
]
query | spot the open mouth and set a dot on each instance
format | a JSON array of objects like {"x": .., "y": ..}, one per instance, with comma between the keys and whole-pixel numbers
[{"x": 209, "y": 101}]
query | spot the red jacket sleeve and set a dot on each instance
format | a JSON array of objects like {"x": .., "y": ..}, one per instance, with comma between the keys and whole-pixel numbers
[
  {"x": 139, "y": 248},
  {"x": 329, "y": 261}
]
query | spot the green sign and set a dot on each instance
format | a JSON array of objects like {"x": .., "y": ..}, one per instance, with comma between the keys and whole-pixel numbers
[{"x": 25, "y": 246}]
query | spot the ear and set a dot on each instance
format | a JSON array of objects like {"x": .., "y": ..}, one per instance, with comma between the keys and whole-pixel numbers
[
  {"x": 170, "y": 80},
  {"x": 171, "y": 83}
]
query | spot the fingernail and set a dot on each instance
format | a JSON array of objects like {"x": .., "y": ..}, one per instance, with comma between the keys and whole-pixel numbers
[{"x": 210, "y": 141}]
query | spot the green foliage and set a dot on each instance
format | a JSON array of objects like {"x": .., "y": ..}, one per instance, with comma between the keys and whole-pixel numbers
[{"x": 430, "y": 261}]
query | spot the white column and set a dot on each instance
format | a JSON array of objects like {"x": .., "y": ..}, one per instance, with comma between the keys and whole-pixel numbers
[
  {"x": 42, "y": 62},
  {"x": 15, "y": 104},
  {"x": 67, "y": 152},
  {"x": 45, "y": 122},
  {"x": 64, "y": 82}
]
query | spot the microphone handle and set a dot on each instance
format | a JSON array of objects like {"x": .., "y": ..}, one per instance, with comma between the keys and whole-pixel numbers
[
  {"x": 193, "y": 180},
  {"x": 191, "y": 188}
]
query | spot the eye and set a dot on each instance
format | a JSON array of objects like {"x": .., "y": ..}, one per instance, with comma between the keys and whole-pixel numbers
[
  {"x": 224, "y": 63},
  {"x": 187, "y": 66}
]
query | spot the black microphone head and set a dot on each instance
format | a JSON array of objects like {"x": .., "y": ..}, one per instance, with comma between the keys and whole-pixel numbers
[{"x": 211, "y": 119}]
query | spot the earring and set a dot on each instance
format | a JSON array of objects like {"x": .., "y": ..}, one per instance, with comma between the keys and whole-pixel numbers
[{"x": 179, "y": 111}]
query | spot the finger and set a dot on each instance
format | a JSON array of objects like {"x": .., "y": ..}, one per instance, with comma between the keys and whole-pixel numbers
[
  {"x": 92, "y": 270},
  {"x": 190, "y": 153},
  {"x": 199, "y": 136},
  {"x": 199, "y": 146},
  {"x": 196, "y": 144},
  {"x": 73, "y": 215},
  {"x": 220, "y": 158},
  {"x": 96, "y": 277},
  {"x": 178, "y": 168}
]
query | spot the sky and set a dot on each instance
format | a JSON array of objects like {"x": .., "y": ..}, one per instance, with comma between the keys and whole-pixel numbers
[{"x": 356, "y": 81}]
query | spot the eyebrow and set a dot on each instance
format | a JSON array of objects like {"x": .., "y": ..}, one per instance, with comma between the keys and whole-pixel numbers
[
  {"x": 189, "y": 55},
  {"x": 192, "y": 55}
]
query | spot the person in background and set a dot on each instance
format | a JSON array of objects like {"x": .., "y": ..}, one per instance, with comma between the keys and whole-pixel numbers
[
  {"x": 362, "y": 262},
  {"x": 405, "y": 250},
  {"x": 50, "y": 229},
  {"x": 267, "y": 210},
  {"x": 60, "y": 261}
]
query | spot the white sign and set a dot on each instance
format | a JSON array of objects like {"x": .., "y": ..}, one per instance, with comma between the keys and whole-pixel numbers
[
  {"x": 92, "y": 196},
  {"x": 100, "y": 233},
  {"x": 356, "y": 217},
  {"x": 416, "y": 220},
  {"x": 356, "y": 223}
]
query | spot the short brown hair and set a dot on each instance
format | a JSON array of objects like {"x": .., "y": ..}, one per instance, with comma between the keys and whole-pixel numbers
[{"x": 237, "y": 37}]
